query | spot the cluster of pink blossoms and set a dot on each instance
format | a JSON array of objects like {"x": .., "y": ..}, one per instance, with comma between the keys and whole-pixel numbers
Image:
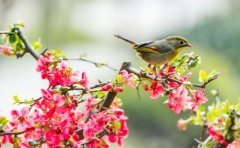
[
  {"x": 58, "y": 73},
  {"x": 180, "y": 97},
  {"x": 54, "y": 119}
]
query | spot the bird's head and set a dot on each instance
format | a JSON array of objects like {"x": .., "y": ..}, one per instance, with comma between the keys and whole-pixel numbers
[{"x": 178, "y": 42}]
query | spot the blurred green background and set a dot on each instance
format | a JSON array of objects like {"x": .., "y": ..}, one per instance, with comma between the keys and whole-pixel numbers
[{"x": 79, "y": 26}]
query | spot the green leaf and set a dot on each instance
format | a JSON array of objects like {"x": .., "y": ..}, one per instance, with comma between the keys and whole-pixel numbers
[
  {"x": 37, "y": 44},
  {"x": 202, "y": 76},
  {"x": 100, "y": 94},
  {"x": 119, "y": 78},
  {"x": 16, "y": 99},
  {"x": 212, "y": 73},
  {"x": 12, "y": 38},
  {"x": 34, "y": 143},
  {"x": 3, "y": 122},
  {"x": 19, "y": 24},
  {"x": 99, "y": 65},
  {"x": 116, "y": 126}
]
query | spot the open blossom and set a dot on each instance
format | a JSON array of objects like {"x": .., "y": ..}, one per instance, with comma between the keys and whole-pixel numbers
[
  {"x": 59, "y": 73},
  {"x": 128, "y": 78},
  {"x": 63, "y": 75},
  {"x": 20, "y": 120},
  {"x": 198, "y": 98},
  {"x": 155, "y": 90},
  {"x": 216, "y": 135},
  {"x": 179, "y": 99},
  {"x": 105, "y": 119}
]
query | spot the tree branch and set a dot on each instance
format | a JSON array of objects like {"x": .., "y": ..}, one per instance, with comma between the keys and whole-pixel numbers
[
  {"x": 27, "y": 44},
  {"x": 11, "y": 133},
  {"x": 133, "y": 70},
  {"x": 108, "y": 100},
  {"x": 5, "y": 32}
]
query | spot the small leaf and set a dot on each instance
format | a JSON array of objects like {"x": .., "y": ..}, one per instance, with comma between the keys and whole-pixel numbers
[
  {"x": 3, "y": 122},
  {"x": 119, "y": 78},
  {"x": 99, "y": 65},
  {"x": 16, "y": 99},
  {"x": 19, "y": 24},
  {"x": 37, "y": 44},
  {"x": 116, "y": 125},
  {"x": 212, "y": 73},
  {"x": 202, "y": 76},
  {"x": 12, "y": 38}
]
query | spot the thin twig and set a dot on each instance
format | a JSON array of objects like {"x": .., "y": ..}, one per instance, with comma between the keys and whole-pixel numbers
[
  {"x": 11, "y": 133},
  {"x": 209, "y": 138},
  {"x": 92, "y": 62},
  {"x": 5, "y": 32},
  {"x": 131, "y": 69}
]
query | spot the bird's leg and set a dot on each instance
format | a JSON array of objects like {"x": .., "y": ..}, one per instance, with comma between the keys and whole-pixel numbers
[
  {"x": 163, "y": 67},
  {"x": 155, "y": 71}
]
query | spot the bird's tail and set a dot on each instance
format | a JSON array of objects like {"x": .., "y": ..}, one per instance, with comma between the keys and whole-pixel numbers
[{"x": 127, "y": 40}]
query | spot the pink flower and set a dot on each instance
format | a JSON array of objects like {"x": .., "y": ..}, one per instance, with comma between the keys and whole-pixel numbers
[
  {"x": 104, "y": 120},
  {"x": 6, "y": 50},
  {"x": 127, "y": 78},
  {"x": 155, "y": 90},
  {"x": 181, "y": 124},
  {"x": 20, "y": 119},
  {"x": 178, "y": 99},
  {"x": 59, "y": 100},
  {"x": 107, "y": 87},
  {"x": 234, "y": 144},
  {"x": 118, "y": 89},
  {"x": 216, "y": 135},
  {"x": 198, "y": 98},
  {"x": 84, "y": 81}
]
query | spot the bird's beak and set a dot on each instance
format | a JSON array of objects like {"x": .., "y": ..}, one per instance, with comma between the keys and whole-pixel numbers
[{"x": 189, "y": 45}]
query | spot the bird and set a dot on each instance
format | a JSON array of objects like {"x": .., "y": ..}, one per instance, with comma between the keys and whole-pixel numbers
[{"x": 158, "y": 52}]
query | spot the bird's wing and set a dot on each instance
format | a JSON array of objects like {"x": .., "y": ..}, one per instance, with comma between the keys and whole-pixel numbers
[
  {"x": 156, "y": 47},
  {"x": 145, "y": 47}
]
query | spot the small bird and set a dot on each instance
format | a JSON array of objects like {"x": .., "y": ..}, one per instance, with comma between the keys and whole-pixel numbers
[{"x": 158, "y": 52}]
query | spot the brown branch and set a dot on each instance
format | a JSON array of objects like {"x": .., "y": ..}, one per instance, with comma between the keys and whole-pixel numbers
[
  {"x": 108, "y": 100},
  {"x": 131, "y": 69},
  {"x": 100, "y": 135},
  {"x": 27, "y": 44},
  {"x": 11, "y": 133},
  {"x": 197, "y": 85}
]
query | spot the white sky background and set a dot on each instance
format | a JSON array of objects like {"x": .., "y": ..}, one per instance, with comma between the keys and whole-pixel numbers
[{"x": 136, "y": 19}]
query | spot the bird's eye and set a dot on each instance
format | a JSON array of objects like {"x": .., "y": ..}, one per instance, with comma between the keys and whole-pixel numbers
[{"x": 181, "y": 42}]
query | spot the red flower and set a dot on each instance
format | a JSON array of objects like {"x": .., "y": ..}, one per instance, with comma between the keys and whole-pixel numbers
[
  {"x": 155, "y": 90},
  {"x": 107, "y": 87},
  {"x": 21, "y": 120},
  {"x": 198, "y": 98},
  {"x": 216, "y": 135},
  {"x": 178, "y": 99}
]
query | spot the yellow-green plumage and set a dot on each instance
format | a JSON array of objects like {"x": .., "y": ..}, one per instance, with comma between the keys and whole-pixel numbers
[{"x": 159, "y": 52}]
